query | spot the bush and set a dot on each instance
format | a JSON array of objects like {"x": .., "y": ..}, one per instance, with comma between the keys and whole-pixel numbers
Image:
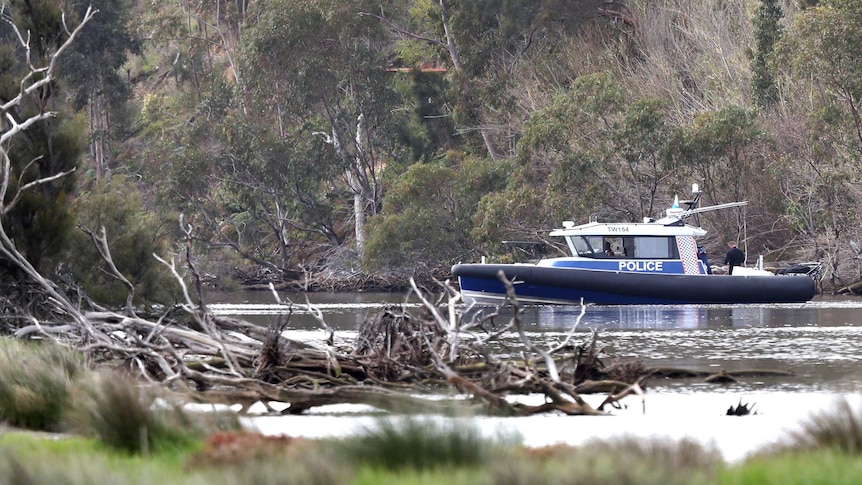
[
  {"x": 127, "y": 417},
  {"x": 631, "y": 460},
  {"x": 837, "y": 429},
  {"x": 35, "y": 383},
  {"x": 419, "y": 444},
  {"x": 133, "y": 233}
]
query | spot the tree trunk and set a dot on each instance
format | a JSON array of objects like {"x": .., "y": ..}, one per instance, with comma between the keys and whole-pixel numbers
[{"x": 97, "y": 133}]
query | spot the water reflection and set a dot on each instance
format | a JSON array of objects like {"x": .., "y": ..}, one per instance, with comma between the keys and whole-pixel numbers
[
  {"x": 657, "y": 317},
  {"x": 342, "y": 311},
  {"x": 346, "y": 311}
]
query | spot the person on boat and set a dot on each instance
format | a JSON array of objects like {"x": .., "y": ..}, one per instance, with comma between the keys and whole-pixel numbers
[
  {"x": 701, "y": 255},
  {"x": 734, "y": 257},
  {"x": 608, "y": 250}
]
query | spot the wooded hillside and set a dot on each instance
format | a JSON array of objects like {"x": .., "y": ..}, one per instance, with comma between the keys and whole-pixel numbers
[{"x": 319, "y": 141}]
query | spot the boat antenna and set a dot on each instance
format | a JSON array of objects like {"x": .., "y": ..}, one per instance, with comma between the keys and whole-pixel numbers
[
  {"x": 677, "y": 213},
  {"x": 693, "y": 203}
]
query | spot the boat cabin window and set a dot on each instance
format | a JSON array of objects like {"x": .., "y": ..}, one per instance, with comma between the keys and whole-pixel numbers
[
  {"x": 655, "y": 247},
  {"x": 637, "y": 247}
]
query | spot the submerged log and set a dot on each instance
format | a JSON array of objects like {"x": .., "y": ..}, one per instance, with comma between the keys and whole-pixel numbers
[
  {"x": 680, "y": 373},
  {"x": 852, "y": 289},
  {"x": 722, "y": 377}
]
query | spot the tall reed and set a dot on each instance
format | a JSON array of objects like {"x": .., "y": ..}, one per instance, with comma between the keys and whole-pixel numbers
[{"x": 838, "y": 428}]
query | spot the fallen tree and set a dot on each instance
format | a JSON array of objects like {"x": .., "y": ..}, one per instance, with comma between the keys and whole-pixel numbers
[{"x": 397, "y": 359}]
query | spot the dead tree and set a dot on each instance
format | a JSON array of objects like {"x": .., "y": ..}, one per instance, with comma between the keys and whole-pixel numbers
[{"x": 396, "y": 358}]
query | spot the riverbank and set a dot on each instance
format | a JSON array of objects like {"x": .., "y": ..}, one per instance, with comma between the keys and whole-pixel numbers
[
  {"x": 345, "y": 280},
  {"x": 661, "y": 416},
  {"x": 416, "y": 453},
  {"x": 338, "y": 281}
]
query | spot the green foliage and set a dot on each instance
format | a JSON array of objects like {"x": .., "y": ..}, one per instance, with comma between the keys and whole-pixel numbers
[
  {"x": 426, "y": 130},
  {"x": 507, "y": 215},
  {"x": 40, "y": 223},
  {"x": 838, "y": 429},
  {"x": 587, "y": 153},
  {"x": 414, "y": 443},
  {"x": 36, "y": 383},
  {"x": 94, "y": 60},
  {"x": 824, "y": 45},
  {"x": 642, "y": 141},
  {"x": 126, "y": 416},
  {"x": 428, "y": 211},
  {"x": 134, "y": 234},
  {"x": 767, "y": 34},
  {"x": 721, "y": 148},
  {"x": 819, "y": 466}
]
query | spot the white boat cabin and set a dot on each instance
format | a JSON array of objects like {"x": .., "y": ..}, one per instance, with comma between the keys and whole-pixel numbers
[
  {"x": 639, "y": 247},
  {"x": 667, "y": 245}
]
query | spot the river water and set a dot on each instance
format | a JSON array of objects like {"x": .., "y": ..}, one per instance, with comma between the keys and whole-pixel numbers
[{"x": 817, "y": 342}]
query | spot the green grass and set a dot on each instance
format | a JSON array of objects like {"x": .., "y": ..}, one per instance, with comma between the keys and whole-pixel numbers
[
  {"x": 442, "y": 475},
  {"x": 27, "y": 457},
  {"x": 36, "y": 381},
  {"x": 124, "y": 416},
  {"x": 826, "y": 467},
  {"x": 40, "y": 458},
  {"x": 411, "y": 442}
]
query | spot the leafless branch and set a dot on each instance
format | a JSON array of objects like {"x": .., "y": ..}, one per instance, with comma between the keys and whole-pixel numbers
[{"x": 101, "y": 244}]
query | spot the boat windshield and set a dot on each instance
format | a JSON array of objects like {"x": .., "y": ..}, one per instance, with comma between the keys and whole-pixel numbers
[{"x": 584, "y": 248}]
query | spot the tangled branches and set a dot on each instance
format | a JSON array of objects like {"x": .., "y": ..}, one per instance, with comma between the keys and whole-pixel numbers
[{"x": 187, "y": 348}]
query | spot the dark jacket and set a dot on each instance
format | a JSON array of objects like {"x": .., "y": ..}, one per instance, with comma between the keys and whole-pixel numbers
[
  {"x": 734, "y": 257},
  {"x": 701, "y": 255}
]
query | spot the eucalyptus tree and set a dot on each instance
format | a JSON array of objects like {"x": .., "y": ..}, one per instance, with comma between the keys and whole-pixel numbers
[
  {"x": 481, "y": 42},
  {"x": 821, "y": 57},
  {"x": 92, "y": 70},
  {"x": 824, "y": 46},
  {"x": 39, "y": 221},
  {"x": 767, "y": 33},
  {"x": 317, "y": 71},
  {"x": 589, "y": 153},
  {"x": 428, "y": 213},
  {"x": 724, "y": 151}
]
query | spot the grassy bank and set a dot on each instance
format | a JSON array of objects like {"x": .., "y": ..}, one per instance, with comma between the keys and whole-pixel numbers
[
  {"x": 65, "y": 423},
  {"x": 249, "y": 458}
]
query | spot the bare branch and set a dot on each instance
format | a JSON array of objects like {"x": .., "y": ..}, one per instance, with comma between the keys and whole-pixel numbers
[
  {"x": 101, "y": 243},
  {"x": 402, "y": 32},
  {"x": 47, "y": 72}
]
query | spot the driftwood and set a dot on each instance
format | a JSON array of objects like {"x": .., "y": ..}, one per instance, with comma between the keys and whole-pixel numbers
[
  {"x": 397, "y": 358},
  {"x": 851, "y": 289}
]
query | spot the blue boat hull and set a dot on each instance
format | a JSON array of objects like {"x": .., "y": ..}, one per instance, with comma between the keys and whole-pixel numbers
[{"x": 550, "y": 285}]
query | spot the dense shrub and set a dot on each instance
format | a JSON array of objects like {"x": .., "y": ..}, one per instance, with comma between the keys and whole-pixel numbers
[
  {"x": 420, "y": 444},
  {"x": 133, "y": 233},
  {"x": 36, "y": 382},
  {"x": 128, "y": 417}
]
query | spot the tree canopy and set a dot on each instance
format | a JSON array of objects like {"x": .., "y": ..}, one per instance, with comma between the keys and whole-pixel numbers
[{"x": 306, "y": 136}]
